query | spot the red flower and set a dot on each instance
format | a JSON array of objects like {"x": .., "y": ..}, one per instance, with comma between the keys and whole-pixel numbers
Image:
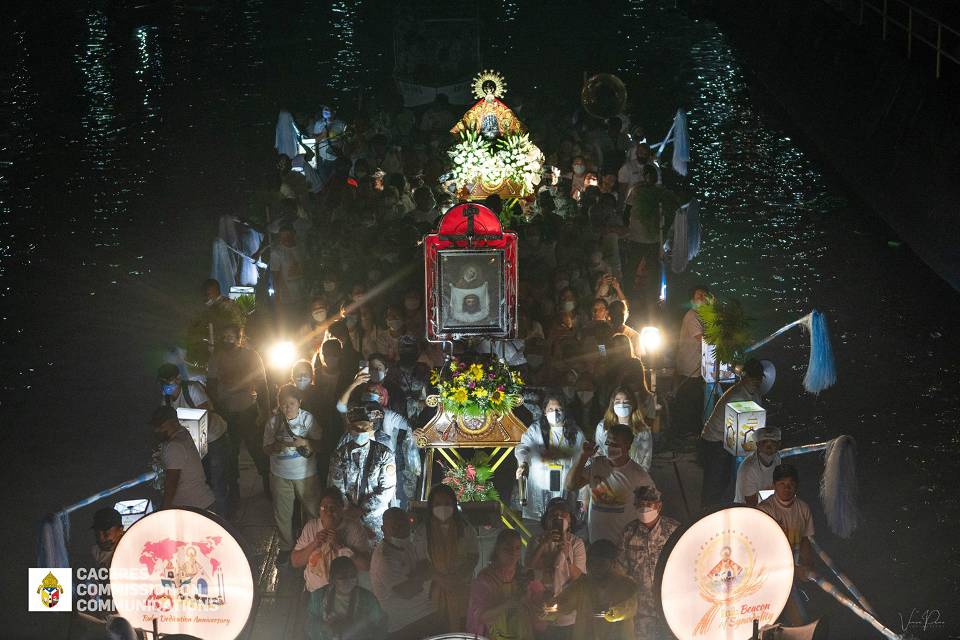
[
  {"x": 471, "y": 472},
  {"x": 501, "y": 388}
]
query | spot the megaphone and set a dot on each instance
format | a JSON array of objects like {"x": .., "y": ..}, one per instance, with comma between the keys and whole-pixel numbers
[
  {"x": 769, "y": 377},
  {"x": 818, "y": 630}
]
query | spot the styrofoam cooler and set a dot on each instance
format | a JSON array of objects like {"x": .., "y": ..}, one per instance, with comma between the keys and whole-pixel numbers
[
  {"x": 707, "y": 360},
  {"x": 132, "y": 510},
  {"x": 740, "y": 421},
  {"x": 195, "y": 421}
]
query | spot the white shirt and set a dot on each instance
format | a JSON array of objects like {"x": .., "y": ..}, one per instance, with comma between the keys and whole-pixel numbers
[
  {"x": 390, "y": 566},
  {"x": 352, "y": 538},
  {"x": 333, "y": 130},
  {"x": 713, "y": 429},
  {"x": 688, "y": 345},
  {"x": 795, "y": 520},
  {"x": 289, "y": 262},
  {"x": 754, "y": 476},
  {"x": 288, "y": 464},
  {"x": 216, "y": 425},
  {"x": 611, "y": 503},
  {"x": 179, "y": 452}
]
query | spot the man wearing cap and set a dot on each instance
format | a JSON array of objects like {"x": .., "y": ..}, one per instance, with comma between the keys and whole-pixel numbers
[
  {"x": 642, "y": 542},
  {"x": 184, "y": 483},
  {"x": 108, "y": 527},
  {"x": 756, "y": 471},
  {"x": 191, "y": 394},
  {"x": 390, "y": 431},
  {"x": 363, "y": 468},
  {"x": 717, "y": 463}
]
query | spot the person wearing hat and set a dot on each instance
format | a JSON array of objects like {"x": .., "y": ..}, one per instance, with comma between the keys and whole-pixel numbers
[
  {"x": 394, "y": 430},
  {"x": 363, "y": 468},
  {"x": 756, "y": 471},
  {"x": 557, "y": 557},
  {"x": 108, "y": 527},
  {"x": 603, "y": 599},
  {"x": 182, "y": 394},
  {"x": 184, "y": 483},
  {"x": 718, "y": 471},
  {"x": 642, "y": 543}
]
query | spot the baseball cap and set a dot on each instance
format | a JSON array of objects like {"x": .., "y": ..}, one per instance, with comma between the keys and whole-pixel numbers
[
  {"x": 767, "y": 433},
  {"x": 647, "y": 493},
  {"x": 106, "y": 518}
]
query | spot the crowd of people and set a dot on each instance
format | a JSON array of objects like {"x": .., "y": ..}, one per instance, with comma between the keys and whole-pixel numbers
[{"x": 336, "y": 265}]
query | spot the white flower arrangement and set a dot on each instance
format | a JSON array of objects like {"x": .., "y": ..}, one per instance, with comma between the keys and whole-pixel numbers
[{"x": 514, "y": 158}]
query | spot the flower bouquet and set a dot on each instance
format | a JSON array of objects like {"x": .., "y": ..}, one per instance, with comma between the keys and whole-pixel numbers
[
  {"x": 474, "y": 481},
  {"x": 475, "y": 390}
]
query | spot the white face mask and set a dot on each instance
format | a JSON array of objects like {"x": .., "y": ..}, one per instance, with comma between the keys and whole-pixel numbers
[
  {"x": 377, "y": 375},
  {"x": 397, "y": 542},
  {"x": 579, "y": 169},
  {"x": 585, "y": 396},
  {"x": 648, "y": 514},
  {"x": 568, "y": 305},
  {"x": 555, "y": 417},
  {"x": 443, "y": 513},
  {"x": 303, "y": 383},
  {"x": 319, "y": 315},
  {"x": 765, "y": 459},
  {"x": 622, "y": 410}
]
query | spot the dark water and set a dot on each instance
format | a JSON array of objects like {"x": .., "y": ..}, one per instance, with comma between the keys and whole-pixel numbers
[{"x": 127, "y": 132}]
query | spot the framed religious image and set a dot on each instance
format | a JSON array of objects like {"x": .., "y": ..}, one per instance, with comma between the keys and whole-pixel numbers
[{"x": 471, "y": 292}]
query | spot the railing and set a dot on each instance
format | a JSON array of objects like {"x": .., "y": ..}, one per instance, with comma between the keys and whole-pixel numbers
[{"x": 913, "y": 32}]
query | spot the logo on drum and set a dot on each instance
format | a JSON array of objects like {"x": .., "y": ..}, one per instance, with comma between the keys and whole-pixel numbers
[{"x": 727, "y": 574}]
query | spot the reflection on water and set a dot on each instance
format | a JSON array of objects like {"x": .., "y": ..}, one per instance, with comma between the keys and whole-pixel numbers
[
  {"x": 101, "y": 137},
  {"x": 17, "y": 141},
  {"x": 343, "y": 70}
]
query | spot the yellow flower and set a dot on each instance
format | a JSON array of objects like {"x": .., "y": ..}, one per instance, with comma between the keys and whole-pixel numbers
[
  {"x": 480, "y": 392},
  {"x": 476, "y": 371},
  {"x": 434, "y": 377},
  {"x": 453, "y": 366},
  {"x": 460, "y": 395},
  {"x": 496, "y": 397},
  {"x": 460, "y": 379}
]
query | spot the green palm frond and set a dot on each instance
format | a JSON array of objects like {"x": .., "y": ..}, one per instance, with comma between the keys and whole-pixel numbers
[{"x": 726, "y": 327}]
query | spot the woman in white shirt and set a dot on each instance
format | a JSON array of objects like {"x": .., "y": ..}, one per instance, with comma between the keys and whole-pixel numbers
[
  {"x": 546, "y": 453},
  {"x": 625, "y": 408},
  {"x": 290, "y": 438}
]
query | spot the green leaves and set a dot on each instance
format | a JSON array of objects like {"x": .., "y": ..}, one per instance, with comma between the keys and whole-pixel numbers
[{"x": 726, "y": 327}]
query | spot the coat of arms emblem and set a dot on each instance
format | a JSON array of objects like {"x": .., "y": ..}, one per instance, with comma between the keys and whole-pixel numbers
[{"x": 50, "y": 590}]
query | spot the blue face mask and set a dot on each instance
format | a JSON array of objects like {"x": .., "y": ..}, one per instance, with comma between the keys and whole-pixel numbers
[
  {"x": 361, "y": 438},
  {"x": 169, "y": 389}
]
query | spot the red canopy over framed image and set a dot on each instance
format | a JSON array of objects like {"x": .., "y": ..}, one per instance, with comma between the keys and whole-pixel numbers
[{"x": 470, "y": 276}]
